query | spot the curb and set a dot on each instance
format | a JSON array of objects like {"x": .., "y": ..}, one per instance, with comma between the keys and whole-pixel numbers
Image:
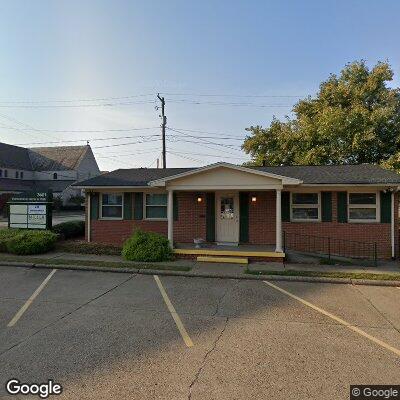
[{"x": 189, "y": 274}]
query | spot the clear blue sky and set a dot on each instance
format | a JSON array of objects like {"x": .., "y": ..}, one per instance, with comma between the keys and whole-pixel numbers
[{"x": 69, "y": 50}]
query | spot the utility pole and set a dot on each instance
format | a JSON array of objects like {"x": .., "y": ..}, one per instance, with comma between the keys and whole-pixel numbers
[{"x": 163, "y": 126}]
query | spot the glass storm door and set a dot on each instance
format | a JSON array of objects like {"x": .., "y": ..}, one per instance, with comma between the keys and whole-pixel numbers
[{"x": 227, "y": 216}]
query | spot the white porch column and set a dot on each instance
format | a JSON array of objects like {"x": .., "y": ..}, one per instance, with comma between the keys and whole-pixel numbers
[
  {"x": 278, "y": 240},
  {"x": 170, "y": 216},
  {"x": 88, "y": 215}
]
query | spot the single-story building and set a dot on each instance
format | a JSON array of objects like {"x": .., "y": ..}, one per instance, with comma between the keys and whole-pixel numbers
[{"x": 347, "y": 210}]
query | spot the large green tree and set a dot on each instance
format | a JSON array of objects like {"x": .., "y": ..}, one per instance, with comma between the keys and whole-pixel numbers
[{"x": 354, "y": 118}]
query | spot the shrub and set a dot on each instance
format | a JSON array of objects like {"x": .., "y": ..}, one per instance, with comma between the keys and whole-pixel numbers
[
  {"x": 147, "y": 246},
  {"x": 70, "y": 229},
  {"x": 79, "y": 246},
  {"x": 5, "y": 236},
  {"x": 31, "y": 242}
]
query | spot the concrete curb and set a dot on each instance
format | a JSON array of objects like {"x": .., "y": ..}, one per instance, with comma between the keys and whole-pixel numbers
[{"x": 142, "y": 271}]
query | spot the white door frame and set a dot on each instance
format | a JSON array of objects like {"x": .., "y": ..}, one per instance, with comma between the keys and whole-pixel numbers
[{"x": 234, "y": 238}]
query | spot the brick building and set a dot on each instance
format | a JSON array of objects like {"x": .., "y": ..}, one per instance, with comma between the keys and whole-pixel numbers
[{"x": 347, "y": 210}]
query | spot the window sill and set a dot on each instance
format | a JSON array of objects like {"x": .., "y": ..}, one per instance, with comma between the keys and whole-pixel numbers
[
  {"x": 155, "y": 219},
  {"x": 305, "y": 220},
  {"x": 363, "y": 221},
  {"x": 110, "y": 219}
]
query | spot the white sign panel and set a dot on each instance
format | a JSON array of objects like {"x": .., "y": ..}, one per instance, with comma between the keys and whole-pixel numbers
[
  {"x": 36, "y": 219},
  {"x": 18, "y": 209},
  {"x": 18, "y": 219},
  {"x": 37, "y": 209}
]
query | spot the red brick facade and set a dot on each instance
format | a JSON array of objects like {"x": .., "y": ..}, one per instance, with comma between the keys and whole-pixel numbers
[{"x": 191, "y": 224}]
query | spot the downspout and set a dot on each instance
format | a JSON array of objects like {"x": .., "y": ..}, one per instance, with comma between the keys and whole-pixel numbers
[
  {"x": 88, "y": 213},
  {"x": 392, "y": 227}
]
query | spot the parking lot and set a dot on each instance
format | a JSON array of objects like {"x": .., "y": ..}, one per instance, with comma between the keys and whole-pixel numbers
[{"x": 113, "y": 335}]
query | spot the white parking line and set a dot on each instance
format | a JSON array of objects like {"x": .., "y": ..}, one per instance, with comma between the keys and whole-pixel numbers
[
  {"x": 21, "y": 311},
  {"x": 337, "y": 319},
  {"x": 175, "y": 316}
]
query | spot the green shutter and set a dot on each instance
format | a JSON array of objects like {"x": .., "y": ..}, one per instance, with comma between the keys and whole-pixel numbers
[
  {"x": 326, "y": 206},
  {"x": 342, "y": 206},
  {"x": 285, "y": 206},
  {"x": 94, "y": 206},
  {"x": 210, "y": 217},
  {"x": 138, "y": 206},
  {"x": 127, "y": 205},
  {"x": 244, "y": 217},
  {"x": 175, "y": 210},
  {"x": 386, "y": 207}
]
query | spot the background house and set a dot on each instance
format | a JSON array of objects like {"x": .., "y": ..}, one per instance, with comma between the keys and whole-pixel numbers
[{"x": 43, "y": 169}]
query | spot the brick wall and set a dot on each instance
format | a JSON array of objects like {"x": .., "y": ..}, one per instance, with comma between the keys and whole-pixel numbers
[
  {"x": 191, "y": 221},
  {"x": 344, "y": 233},
  {"x": 191, "y": 224},
  {"x": 262, "y": 218}
]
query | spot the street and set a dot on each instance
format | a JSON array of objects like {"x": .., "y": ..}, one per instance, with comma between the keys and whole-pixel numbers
[{"x": 112, "y": 335}]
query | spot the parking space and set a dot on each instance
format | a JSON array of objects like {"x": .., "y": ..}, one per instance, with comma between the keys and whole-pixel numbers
[{"x": 103, "y": 335}]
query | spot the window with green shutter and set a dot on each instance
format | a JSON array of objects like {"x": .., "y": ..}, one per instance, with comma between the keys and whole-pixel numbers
[
  {"x": 285, "y": 206},
  {"x": 127, "y": 206},
  {"x": 326, "y": 206},
  {"x": 94, "y": 206},
  {"x": 342, "y": 207},
  {"x": 386, "y": 207},
  {"x": 138, "y": 205}
]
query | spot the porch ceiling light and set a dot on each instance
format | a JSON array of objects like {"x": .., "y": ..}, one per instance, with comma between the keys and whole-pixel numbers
[
  {"x": 253, "y": 199},
  {"x": 199, "y": 199}
]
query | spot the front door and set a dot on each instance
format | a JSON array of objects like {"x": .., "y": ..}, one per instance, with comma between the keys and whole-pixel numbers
[{"x": 227, "y": 216}]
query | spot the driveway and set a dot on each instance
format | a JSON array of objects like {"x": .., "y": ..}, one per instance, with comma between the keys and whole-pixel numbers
[{"x": 110, "y": 335}]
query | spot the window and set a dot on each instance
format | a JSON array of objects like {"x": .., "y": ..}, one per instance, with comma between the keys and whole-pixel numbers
[
  {"x": 111, "y": 205},
  {"x": 156, "y": 206},
  {"x": 21, "y": 175},
  {"x": 5, "y": 173},
  {"x": 362, "y": 207},
  {"x": 17, "y": 174},
  {"x": 305, "y": 206},
  {"x": 1, "y": 173},
  {"x": 55, "y": 176}
]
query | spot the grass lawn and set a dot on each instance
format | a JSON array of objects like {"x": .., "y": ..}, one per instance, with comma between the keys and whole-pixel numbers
[
  {"x": 330, "y": 274},
  {"x": 92, "y": 263}
]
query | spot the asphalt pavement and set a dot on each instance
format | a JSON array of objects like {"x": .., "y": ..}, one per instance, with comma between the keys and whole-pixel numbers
[{"x": 124, "y": 336}]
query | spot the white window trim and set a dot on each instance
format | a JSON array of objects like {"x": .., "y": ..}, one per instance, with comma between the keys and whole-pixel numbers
[
  {"x": 318, "y": 206},
  {"x": 377, "y": 206},
  {"x": 145, "y": 208},
  {"x": 101, "y": 207}
]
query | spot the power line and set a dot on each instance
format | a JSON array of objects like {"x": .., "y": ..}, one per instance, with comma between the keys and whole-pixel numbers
[
  {"x": 75, "y": 100},
  {"x": 232, "y": 95},
  {"x": 207, "y": 132},
  {"x": 91, "y": 139},
  {"x": 214, "y": 103},
  {"x": 128, "y": 103},
  {"x": 209, "y": 155},
  {"x": 125, "y": 144},
  {"x": 92, "y": 130}
]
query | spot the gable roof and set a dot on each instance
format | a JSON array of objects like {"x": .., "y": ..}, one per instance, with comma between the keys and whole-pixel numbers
[
  {"x": 14, "y": 157},
  {"x": 57, "y": 158},
  {"x": 285, "y": 179},
  {"x": 309, "y": 174}
]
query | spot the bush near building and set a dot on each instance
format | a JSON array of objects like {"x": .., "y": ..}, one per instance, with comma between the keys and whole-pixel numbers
[
  {"x": 147, "y": 246},
  {"x": 70, "y": 229}
]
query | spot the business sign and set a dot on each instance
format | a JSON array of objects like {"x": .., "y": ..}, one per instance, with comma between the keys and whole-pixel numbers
[{"x": 30, "y": 211}]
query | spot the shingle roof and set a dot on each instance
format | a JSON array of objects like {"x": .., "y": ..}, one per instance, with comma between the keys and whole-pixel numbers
[
  {"x": 131, "y": 177},
  {"x": 20, "y": 185},
  {"x": 336, "y": 174},
  {"x": 56, "y": 158},
  {"x": 14, "y": 157},
  {"x": 309, "y": 174}
]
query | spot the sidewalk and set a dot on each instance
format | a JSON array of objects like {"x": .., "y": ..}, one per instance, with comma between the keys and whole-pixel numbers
[{"x": 387, "y": 274}]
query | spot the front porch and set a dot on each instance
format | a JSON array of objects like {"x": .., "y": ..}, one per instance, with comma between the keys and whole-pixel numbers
[{"x": 209, "y": 251}]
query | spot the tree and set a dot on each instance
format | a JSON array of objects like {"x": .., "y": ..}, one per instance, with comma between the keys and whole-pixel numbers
[{"x": 354, "y": 118}]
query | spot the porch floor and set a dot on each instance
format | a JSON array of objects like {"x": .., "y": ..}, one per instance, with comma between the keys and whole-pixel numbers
[{"x": 244, "y": 250}]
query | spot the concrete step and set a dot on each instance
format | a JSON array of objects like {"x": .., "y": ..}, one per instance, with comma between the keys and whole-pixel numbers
[{"x": 230, "y": 260}]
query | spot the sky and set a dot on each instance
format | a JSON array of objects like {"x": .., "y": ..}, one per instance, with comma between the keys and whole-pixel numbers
[{"x": 73, "y": 70}]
